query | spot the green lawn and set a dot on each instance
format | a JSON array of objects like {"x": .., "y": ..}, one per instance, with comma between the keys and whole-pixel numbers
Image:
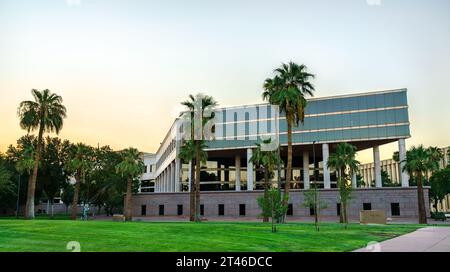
[{"x": 53, "y": 235}]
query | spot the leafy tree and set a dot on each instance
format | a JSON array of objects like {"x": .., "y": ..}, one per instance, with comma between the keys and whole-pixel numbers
[
  {"x": 45, "y": 113},
  {"x": 440, "y": 185},
  {"x": 312, "y": 200},
  {"x": 268, "y": 160},
  {"x": 131, "y": 167},
  {"x": 207, "y": 105},
  {"x": 80, "y": 162},
  {"x": 274, "y": 206},
  {"x": 288, "y": 90},
  {"x": 7, "y": 186},
  {"x": 344, "y": 162}
]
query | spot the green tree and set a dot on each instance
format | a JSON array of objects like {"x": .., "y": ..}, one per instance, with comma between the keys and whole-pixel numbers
[
  {"x": 440, "y": 185},
  {"x": 386, "y": 180},
  {"x": 312, "y": 201},
  {"x": 131, "y": 167},
  {"x": 199, "y": 106},
  {"x": 344, "y": 162},
  {"x": 274, "y": 206},
  {"x": 45, "y": 113},
  {"x": 79, "y": 164},
  {"x": 7, "y": 186},
  {"x": 417, "y": 164},
  {"x": 288, "y": 90},
  {"x": 268, "y": 160}
]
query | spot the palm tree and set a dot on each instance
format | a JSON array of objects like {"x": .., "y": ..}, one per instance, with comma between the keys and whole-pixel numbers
[
  {"x": 268, "y": 160},
  {"x": 344, "y": 162},
  {"x": 80, "y": 162},
  {"x": 288, "y": 90},
  {"x": 45, "y": 113},
  {"x": 207, "y": 103},
  {"x": 417, "y": 164},
  {"x": 131, "y": 167},
  {"x": 435, "y": 155},
  {"x": 187, "y": 154}
]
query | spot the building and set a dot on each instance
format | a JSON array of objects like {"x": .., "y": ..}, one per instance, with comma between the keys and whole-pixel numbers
[
  {"x": 230, "y": 184},
  {"x": 392, "y": 168}
]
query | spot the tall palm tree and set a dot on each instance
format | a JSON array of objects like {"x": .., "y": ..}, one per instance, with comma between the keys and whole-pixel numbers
[
  {"x": 269, "y": 160},
  {"x": 417, "y": 164},
  {"x": 288, "y": 90},
  {"x": 45, "y": 113},
  {"x": 80, "y": 162},
  {"x": 131, "y": 167},
  {"x": 207, "y": 103},
  {"x": 344, "y": 162}
]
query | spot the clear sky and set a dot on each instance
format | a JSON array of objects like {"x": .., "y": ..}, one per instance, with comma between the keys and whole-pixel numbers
[{"x": 123, "y": 67}]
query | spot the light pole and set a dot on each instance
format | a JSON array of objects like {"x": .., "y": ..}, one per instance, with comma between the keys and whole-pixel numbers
[{"x": 18, "y": 197}]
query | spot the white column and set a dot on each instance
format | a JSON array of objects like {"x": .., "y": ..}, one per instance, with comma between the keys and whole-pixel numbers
[
  {"x": 377, "y": 166},
  {"x": 177, "y": 175},
  {"x": 402, "y": 156},
  {"x": 165, "y": 180},
  {"x": 173, "y": 177},
  {"x": 326, "y": 171},
  {"x": 354, "y": 185},
  {"x": 237, "y": 164},
  {"x": 305, "y": 169},
  {"x": 170, "y": 177},
  {"x": 190, "y": 176},
  {"x": 249, "y": 170}
]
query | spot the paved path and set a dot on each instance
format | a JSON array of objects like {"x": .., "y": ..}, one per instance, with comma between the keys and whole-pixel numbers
[{"x": 428, "y": 239}]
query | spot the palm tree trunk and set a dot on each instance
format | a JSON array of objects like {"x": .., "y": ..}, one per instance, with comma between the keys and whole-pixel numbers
[
  {"x": 287, "y": 185},
  {"x": 421, "y": 200},
  {"x": 266, "y": 192},
  {"x": 29, "y": 206},
  {"x": 76, "y": 194},
  {"x": 192, "y": 193},
  {"x": 128, "y": 204},
  {"x": 197, "y": 181}
]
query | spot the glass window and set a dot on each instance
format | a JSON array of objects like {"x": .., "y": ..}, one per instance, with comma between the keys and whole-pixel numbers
[
  {"x": 180, "y": 209},
  {"x": 242, "y": 209},
  {"x": 395, "y": 209},
  {"x": 367, "y": 206},
  {"x": 380, "y": 101},
  {"x": 362, "y": 103},
  {"x": 221, "y": 209}
]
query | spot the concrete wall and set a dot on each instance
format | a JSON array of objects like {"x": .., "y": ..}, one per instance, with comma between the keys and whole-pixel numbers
[{"x": 380, "y": 198}]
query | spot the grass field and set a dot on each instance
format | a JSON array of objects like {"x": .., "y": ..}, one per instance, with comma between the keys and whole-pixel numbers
[{"x": 53, "y": 235}]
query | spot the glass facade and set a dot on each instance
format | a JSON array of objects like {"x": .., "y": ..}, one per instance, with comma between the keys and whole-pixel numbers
[{"x": 368, "y": 116}]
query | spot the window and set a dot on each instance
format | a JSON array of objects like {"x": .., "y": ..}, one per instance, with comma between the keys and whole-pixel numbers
[
  {"x": 338, "y": 209},
  {"x": 290, "y": 210},
  {"x": 367, "y": 206},
  {"x": 221, "y": 209},
  {"x": 161, "y": 210},
  {"x": 202, "y": 210},
  {"x": 311, "y": 210},
  {"x": 395, "y": 209},
  {"x": 144, "y": 210},
  {"x": 242, "y": 209},
  {"x": 180, "y": 209}
]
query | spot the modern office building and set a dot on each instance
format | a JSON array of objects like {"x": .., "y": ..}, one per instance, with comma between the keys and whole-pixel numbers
[{"x": 230, "y": 183}]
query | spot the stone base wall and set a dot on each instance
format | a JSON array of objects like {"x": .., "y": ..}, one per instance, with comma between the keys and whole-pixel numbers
[{"x": 380, "y": 198}]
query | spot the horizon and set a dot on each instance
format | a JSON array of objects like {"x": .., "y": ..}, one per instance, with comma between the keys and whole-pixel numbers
[{"x": 123, "y": 68}]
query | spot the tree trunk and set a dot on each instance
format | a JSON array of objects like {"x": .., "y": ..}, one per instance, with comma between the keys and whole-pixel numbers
[
  {"x": 287, "y": 184},
  {"x": 128, "y": 204},
  {"x": 266, "y": 192},
  {"x": 421, "y": 200},
  {"x": 192, "y": 193},
  {"x": 29, "y": 206},
  {"x": 76, "y": 194},
  {"x": 197, "y": 181}
]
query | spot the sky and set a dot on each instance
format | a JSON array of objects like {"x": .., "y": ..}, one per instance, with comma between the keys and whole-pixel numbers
[{"x": 123, "y": 67}]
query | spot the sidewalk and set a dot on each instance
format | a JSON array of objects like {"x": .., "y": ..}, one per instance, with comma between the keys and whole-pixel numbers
[{"x": 428, "y": 239}]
